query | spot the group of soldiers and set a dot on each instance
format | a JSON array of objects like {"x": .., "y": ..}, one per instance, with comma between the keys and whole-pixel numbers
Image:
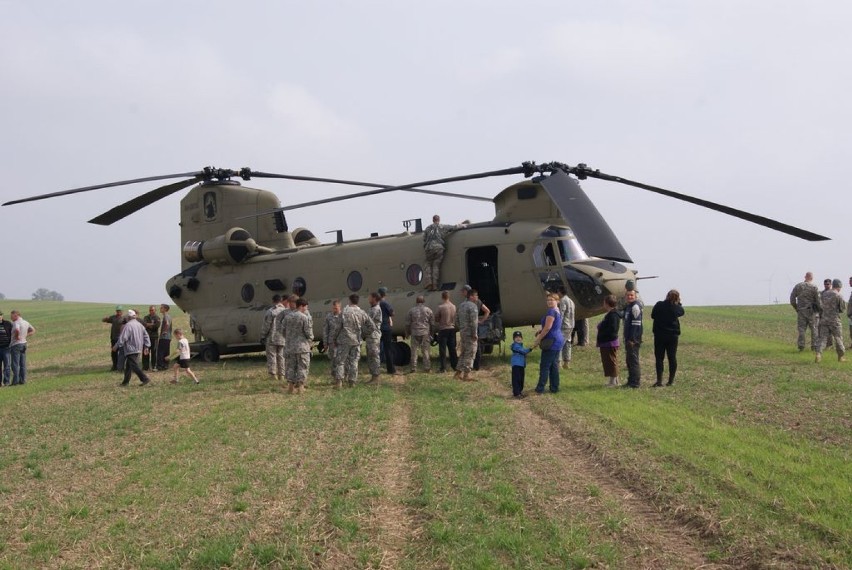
[
  {"x": 287, "y": 334},
  {"x": 821, "y": 312}
]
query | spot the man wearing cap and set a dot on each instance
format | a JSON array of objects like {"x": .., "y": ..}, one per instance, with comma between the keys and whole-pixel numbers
[
  {"x": 273, "y": 339},
  {"x": 833, "y": 307},
  {"x": 133, "y": 340},
  {"x": 5, "y": 354},
  {"x": 116, "y": 321}
]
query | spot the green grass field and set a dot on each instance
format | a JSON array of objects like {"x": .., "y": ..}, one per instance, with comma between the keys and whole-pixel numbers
[{"x": 744, "y": 462}]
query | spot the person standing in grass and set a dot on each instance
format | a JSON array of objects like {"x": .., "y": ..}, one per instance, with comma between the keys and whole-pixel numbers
[
  {"x": 666, "y": 315},
  {"x": 21, "y": 330},
  {"x": 134, "y": 340},
  {"x": 804, "y": 298},
  {"x": 519, "y": 364},
  {"x": 848, "y": 312},
  {"x": 5, "y": 355},
  {"x": 550, "y": 339},
  {"x": 632, "y": 337},
  {"x": 298, "y": 336},
  {"x": 830, "y": 327},
  {"x": 607, "y": 340},
  {"x": 418, "y": 326},
  {"x": 566, "y": 307},
  {"x": 183, "y": 355}
]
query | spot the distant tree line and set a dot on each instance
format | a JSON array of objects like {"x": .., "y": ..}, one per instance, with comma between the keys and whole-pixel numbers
[{"x": 43, "y": 294}]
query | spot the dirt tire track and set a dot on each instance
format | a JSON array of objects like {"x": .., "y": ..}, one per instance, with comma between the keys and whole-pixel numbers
[
  {"x": 391, "y": 520},
  {"x": 655, "y": 540}
]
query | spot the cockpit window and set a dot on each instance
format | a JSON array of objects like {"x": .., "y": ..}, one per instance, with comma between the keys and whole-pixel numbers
[
  {"x": 544, "y": 254},
  {"x": 571, "y": 250},
  {"x": 569, "y": 247}
]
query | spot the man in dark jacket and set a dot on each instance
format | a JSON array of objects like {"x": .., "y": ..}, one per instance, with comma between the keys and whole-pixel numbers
[
  {"x": 632, "y": 337},
  {"x": 5, "y": 355}
]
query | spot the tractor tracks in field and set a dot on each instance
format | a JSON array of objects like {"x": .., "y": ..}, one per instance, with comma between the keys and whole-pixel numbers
[{"x": 576, "y": 479}]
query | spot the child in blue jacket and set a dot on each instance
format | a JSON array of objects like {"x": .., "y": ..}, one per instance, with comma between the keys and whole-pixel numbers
[{"x": 519, "y": 363}]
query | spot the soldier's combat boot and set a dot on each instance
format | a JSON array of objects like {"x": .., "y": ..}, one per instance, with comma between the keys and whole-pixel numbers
[
  {"x": 841, "y": 358},
  {"x": 818, "y": 357},
  {"x": 290, "y": 388},
  {"x": 373, "y": 379},
  {"x": 457, "y": 375}
]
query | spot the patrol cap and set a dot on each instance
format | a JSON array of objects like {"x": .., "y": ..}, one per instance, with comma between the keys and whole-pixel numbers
[
  {"x": 467, "y": 288},
  {"x": 836, "y": 284},
  {"x": 119, "y": 308},
  {"x": 517, "y": 334},
  {"x": 383, "y": 290}
]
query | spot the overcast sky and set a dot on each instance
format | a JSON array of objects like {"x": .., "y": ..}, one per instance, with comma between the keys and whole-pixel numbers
[{"x": 743, "y": 103}]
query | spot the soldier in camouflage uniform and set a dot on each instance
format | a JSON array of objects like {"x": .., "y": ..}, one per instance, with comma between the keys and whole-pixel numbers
[
  {"x": 566, "y": 307},
  {"x": 354, "y": 323},
  {"x": 273, "y": 340},
  {"x": 298, "y": 336},
  {"x": 434, "y": 244},
  {"x": 374, "y": 338},
  {"x": 333, "y": 322},
  {"x": 289, "y": 304},
  {"x": 806, "y": 300},
  {"x": 418, "y": 325},
  {"x": 467, "y": 321},
  {"x": 833, "y": 307}
]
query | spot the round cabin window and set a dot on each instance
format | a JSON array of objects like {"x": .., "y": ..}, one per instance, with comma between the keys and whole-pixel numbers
[
  {"x": 247, "y": 292},
  {"x": 354, "y": 281},
  {"x": 414, "y": 274},
  {"x": 300, "y": 286}
]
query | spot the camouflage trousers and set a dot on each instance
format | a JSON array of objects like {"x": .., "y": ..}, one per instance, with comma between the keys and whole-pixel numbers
[
  {"x": 831, "y": 330},
  {"x": 807, "y": 320},
  {"x": 348, "y": 368},
  {"x": 275, "y": 360},
  {"x": 432, "y": 269},
  {"x": 566, "y": 348},
  {"x": 334, "y": 357},
  {"x": 374, "y": 355},
  {"x": 297, "y": 367},
  {"x": 421, "y": 345},
  {"x": 468, "y": 346}
]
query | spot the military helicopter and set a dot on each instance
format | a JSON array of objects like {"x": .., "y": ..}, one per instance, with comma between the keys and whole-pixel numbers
[{"x": 238, "y": 250}]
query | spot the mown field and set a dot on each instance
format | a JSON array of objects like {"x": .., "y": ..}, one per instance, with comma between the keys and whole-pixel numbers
[{"x": 743, "y": 463}]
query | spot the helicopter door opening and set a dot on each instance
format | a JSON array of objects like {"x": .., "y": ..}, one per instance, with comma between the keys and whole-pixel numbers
[{"x": 482, "y": 275}]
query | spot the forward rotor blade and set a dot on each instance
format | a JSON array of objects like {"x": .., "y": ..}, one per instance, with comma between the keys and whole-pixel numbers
[
  {"x": 98, "y": 186},
  {"x": 754, "y": 218},
  {"x": 413, "y": 187},
  {"x": 131, "y": 206}
]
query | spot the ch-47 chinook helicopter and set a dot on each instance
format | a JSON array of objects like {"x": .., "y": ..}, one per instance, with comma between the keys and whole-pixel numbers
[{"x": 238, "y": 250}]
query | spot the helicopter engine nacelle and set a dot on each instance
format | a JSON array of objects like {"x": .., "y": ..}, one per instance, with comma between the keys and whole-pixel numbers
[
  {"x": 231, "y": 248},
  {"x": 304, "y": 236}
]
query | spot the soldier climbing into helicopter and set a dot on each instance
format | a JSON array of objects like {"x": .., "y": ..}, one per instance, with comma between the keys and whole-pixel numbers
[{"x": 434, "y": 244}]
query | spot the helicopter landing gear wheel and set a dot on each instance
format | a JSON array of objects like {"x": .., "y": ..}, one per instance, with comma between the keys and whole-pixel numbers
[
  {"x": 209, "y": 353},
  {"x": 402, "y": 353}
]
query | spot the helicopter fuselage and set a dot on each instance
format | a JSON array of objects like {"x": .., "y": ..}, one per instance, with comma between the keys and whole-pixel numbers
[{"x": 511, "y": 263}]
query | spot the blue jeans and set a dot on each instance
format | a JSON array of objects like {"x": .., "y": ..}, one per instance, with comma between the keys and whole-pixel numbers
[
  {"x": 549, "y": 369},
  {"x": 5, "y": 365},
  {"x": 19, "y": 363}
]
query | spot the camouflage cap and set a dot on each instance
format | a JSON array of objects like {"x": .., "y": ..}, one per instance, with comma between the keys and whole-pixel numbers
[
  {"x": 119, "y": 308},
  {"x": 383, "y": 290}
]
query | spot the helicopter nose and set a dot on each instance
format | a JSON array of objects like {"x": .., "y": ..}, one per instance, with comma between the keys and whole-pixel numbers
[{"x": 592, "y": 282}]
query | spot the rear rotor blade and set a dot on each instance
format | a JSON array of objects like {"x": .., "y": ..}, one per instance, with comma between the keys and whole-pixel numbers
[
  {"x": 131, "y": 206},
  {"x": 98, "y": 186}
]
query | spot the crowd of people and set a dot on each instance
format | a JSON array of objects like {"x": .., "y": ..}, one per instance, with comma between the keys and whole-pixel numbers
[
  {"x": 821, "y": 313},
  {"x": 142, "y": 345}
]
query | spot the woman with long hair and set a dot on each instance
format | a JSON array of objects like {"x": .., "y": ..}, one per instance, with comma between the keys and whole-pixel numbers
[{"x": 666, "y": 315}]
